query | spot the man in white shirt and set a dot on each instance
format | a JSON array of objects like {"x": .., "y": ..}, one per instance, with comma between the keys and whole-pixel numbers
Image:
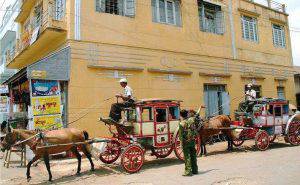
[
  {"x": 250, "y": 93},
  {"x": 127, "y": 97}
]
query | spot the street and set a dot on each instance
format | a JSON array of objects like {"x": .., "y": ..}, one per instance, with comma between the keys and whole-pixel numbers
[{"x": 280, "y": 164}]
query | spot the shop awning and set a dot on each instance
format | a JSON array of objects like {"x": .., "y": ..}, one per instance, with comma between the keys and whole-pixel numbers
[
  {"x": 20, "y": 74},
  {"x": 55, "y": 66}
]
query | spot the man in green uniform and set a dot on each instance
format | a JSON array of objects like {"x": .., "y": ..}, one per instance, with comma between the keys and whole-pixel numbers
[{"x": 187, "y": 133}]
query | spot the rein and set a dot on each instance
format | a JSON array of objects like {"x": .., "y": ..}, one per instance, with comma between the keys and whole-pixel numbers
[{"x": 25, "y": 140}]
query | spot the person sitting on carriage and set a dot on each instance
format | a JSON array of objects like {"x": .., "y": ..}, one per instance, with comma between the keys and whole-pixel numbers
[
  {"x": 250, "y": 93},
  {"x": 116, "y": 108}
]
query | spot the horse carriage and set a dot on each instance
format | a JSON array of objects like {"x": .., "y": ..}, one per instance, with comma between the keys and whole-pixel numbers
[
  {"x": 151, "y": 124},
  {"x": 263, "y": 120}
]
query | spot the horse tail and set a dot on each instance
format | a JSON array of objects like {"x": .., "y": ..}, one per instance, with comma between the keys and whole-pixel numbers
[{"x": 86, "y": 135}]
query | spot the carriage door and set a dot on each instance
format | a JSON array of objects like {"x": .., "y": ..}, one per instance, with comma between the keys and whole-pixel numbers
[{"x": 161, "y": 127}]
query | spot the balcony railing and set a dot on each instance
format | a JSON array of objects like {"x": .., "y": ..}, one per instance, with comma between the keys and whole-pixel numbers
[
  {"x": 52, "y": 18},
  {"x": 271, "y": 4}
]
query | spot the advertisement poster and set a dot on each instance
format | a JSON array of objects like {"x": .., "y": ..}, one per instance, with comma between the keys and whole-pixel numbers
[
  {"x": 45, "y": 105},
  {"x": 3, "y": 89},
  {"x": 47, "y": 122},
  {"x": 45, "y": 88},
  {"x": 4, "y": 104}
]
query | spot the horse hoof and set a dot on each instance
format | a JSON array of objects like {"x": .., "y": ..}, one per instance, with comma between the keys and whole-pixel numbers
[
  {"x": 28, "y": 179},
  {"x": 78, "y": 174},
  {"x": 92, "y": 169}
]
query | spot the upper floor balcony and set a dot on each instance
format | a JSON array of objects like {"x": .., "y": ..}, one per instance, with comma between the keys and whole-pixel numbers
[
  {"x": 268, "y": 4},
  {"x": 43, "y": 30}
]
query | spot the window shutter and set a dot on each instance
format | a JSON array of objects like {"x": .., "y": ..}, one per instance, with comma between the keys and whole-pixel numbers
[
  {"x": 100, "y": 5},
  {"x": 219, "y": 22},
  {"x": 154, "y": 11},
  {"x": 177, "y": 13},
  {"x": 129, "y": 8}
]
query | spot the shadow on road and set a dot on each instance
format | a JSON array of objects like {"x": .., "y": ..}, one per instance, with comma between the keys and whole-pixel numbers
[{"x": 250, "y": 148}]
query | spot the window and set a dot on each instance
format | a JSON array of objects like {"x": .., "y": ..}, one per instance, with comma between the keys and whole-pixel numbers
[
  {"x": 249, "y": 28},
  {"x": 278, "y": 36},
  {"x": 174, "y": 113},
  {"x": 270, "y": 109},
  {"x": 118, "y": 7},
  {"x": 166, "y": 11},
  {"x": 147, "y": 114},
  {"x": 59, "y": 9},
  {"x": 38, "y": 15},
  {"x": 280, "y": 93},
  {"x": 211, "y": 18},
  {"x": 161, "y": 115},
  {"x": 285, "y": 109},
  {"x": 277, "y": 111}
]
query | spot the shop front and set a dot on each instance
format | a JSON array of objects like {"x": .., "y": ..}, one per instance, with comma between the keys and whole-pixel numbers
[{"x": 38, "y": 93}]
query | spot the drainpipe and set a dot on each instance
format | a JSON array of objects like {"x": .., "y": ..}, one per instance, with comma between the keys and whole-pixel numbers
[{"x": 232, "y": 31}]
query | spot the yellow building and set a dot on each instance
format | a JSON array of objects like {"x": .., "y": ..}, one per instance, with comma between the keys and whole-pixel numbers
[{"x": 195, "y": 51}]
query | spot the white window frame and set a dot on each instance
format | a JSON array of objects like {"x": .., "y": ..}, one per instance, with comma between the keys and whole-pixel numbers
[
  {"x": 279, "y": 42},
  {"x": 166, "y": 12},
  {"x": 251, "y": 25}
]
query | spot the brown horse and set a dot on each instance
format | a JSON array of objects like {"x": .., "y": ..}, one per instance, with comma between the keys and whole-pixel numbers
[
  {"x": 217, "y": 125},
  {"x": 62, "y": 140}
]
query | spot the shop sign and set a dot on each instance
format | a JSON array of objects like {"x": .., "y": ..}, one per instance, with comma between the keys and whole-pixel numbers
[
  {"x": 44, "y": 88},
  {"x": 47, "y": 122},
  {"x": 4, "y": 104},
  {"x": 45, "y": 105},
  {"x": 38, "y": 74},
  {"x": 3, "y": 89}
]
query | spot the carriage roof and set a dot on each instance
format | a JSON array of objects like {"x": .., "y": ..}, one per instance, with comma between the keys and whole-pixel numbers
[
  {"x": 270, "y": 101},
  {"x": 156, "y": 101}
]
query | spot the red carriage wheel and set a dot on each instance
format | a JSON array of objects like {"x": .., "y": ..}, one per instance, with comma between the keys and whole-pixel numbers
[
  {"x": 132, "y": 158},
  {"x": 293, "y": 133},
  {"x": 272, "y": 138},
  {"x": 111, "y": 153},
  {"x": 162, "y": 152},
  {"x": 262, "y": 140},
  {"x": 178, "y": 147},
  {"x": 238, "y": 142}
]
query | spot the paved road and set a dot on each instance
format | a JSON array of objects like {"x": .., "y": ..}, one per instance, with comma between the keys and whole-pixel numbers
[{"x": 278, "y": 165}]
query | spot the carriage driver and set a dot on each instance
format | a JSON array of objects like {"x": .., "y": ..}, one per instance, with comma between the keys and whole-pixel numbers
[
  {"x": 116, "y": 108},
  {"x": 250, "y": 93}
]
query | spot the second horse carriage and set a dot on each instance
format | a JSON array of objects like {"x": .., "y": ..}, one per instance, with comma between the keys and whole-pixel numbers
[
  {"x": 151, "y": 124},
  {"x": 264, "y": 119}
]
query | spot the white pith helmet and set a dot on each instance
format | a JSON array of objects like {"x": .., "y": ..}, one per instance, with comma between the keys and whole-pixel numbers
[
  {"x": 123, "y": 80},
  {"x": 249, "y": 85}
]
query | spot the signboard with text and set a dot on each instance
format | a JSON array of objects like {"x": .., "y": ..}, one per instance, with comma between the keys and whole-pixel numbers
[
  {"x": 47, "y": 122},
  {"x": 45, "y": 105}
]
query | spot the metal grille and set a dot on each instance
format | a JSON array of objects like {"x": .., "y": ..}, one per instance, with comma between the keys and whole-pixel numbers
[
  {"x": 117, "y": 7},
  {"x": 211, "y": 18}
]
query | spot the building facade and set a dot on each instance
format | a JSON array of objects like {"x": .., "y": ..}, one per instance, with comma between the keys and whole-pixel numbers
[
  {"x": 8, "y": 36},
  {"x": 198, "y": 51}
]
